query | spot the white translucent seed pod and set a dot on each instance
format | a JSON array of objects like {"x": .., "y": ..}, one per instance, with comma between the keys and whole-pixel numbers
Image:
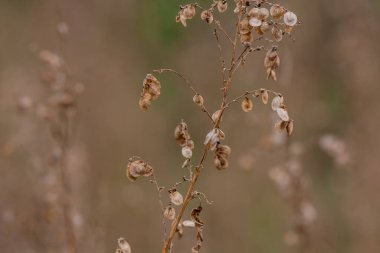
[
  {"x": 124, "y": 245},
  {"x": 283, "y": 114},
  {"x": 255, "y": 22},
  {"x": 290, "y": 19},
  {"x": 176, "y": 198},
  {"x": 277, "y": 101},
  {"x": 186, "y": 152}
]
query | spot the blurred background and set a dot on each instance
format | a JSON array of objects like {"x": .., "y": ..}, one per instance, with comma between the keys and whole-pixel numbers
[{"x": 329, "y": 77}]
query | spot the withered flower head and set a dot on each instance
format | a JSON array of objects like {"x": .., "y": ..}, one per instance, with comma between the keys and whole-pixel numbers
[
  {"x": 272, "y": 62},
  {"x": 137, "y": 168},
  {"x": 222, "y": 6},
  {"x": 150, "y": 92},
  {"x": 246, "y": 104},
  {"x": 207, "y": 16},
  {"x": 277, "y": 11},
  {"x": 124, "y": 245}
]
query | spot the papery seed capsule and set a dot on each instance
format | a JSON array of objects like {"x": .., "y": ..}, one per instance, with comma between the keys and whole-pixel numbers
[
  {"x": 277, "y": 11},
  {"x": 277, "y": 33},
  {"x": 246, "y": 39},
  {"x": 254, "y": 12},
  {"x": 223, "y": 150},
  {"x": 246, "y": 104},
  {"x": 176, "y": 198},
  {"x": 244, "y": 27},
  {"x": 186, "y": 152},
  {"x": 264, "y": 96},
  {"x": 136, "y": 168},
  {"x": 277, "y": 101},
  {"x": 222, "y": 6},
  {"x": 263, "y": 13},
  {"x": 264, "y": 27},
  {"x": 188, "y": 223},
  {"x": 255, "y": 22},
  {"x": 289, "y": 127},
  {"x": 290, "y": 19},
  {"x": 216, "y": 115},
  {"x": 124, "y": 245},
  {"x": 198, "y": 100},
  {"x": 207, "y": 16},
  {"x": 283, "y": 114},
  {"x": 169, "y": 213},
  {"x": 220, "y": 163},
  {"x": 189, "y": 11}
]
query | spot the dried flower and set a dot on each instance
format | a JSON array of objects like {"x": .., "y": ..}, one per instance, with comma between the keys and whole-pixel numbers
[
  {"x": 272, "y": 62},
  {"x": 207, "y": 16},
  {"x": 187, "y": 152},
  {"x": 124, "y": 245},
  {"x": 277, "y": 101},
  {"x": 222, "y": 154},
  {"x": 255, "y": 22},
  {"x": 244, "y": 26},
  {"x": 282, "y": 113},
  {"x": 169, "y": 213},
  {"x": 246, "y": 39},
  {"x": 186, "y": 12},
  {"x": 151, "y": 91},
  {"x": 277, "y": 11},
  {"x": 216, "y": 115},
  {"x": 222, "y": 6},
  {"x": 263, "y": 13},
  {"x": 264, "y": 96},
  {"x": 246, "y": 104},
  {"x": 214, "y": 137},
  {"x": 277, "y": 33},
  {"x": 137, "y": 168},
  {"x": 176, "y": 198},
  {"x": 254, "y": 12},
  {"x": 290, "y": 19},
  {"x": 198, "y": 100}
]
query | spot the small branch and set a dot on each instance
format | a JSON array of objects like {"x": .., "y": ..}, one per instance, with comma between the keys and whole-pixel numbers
[
  {"x": 188, "y": 84},
  {"x": 252, "y": 92},
  {"x": 159, "y": 189},
  {"x": 220, "y": 27},
  {"x": 222, "y": 62}
]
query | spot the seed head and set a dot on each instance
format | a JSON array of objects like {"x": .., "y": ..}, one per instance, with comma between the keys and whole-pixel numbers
[
  {"x": 277, "y": 33},
  {"x": 187, "y": 152},
  {"x": 263, "y": 13},
  {"x": 137, "y": 168},
  {"x": 222, "y": 6},
  {"x": 124, "y": 245},
  {"x": 246, "y": 104},
  {"x": 176, "y": 198},
  {"x": 272, "y": 62},
  {"x": 198, "y": 100},
  {"x": 216, "y": 115},
  {"x": 207, "y": 16},
  {"x": 151, "y": 91},
  {"x": 282, "y": 114},
  {"x": 290, "y": 19},
  {"x": 277, "y": 11},
  {"x": 264, "y": 96},
  {"x": 169, "y": 213},
  {"x": 277, "y": 101}
]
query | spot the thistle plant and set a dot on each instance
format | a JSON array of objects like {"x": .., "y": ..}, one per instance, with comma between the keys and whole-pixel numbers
[{"x": 260, "y": 27}]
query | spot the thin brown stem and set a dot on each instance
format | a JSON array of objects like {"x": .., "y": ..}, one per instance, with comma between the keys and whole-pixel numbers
[
  {"x": 188, "y": 84},
  {"x": 252, "y": 92}
]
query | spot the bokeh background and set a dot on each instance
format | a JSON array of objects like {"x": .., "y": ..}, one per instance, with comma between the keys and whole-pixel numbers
[{"x": 329, "y": 76}]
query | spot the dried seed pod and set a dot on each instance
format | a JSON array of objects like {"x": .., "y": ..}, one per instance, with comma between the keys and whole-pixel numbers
[
  {"x": 124, "y": 245},
  {"x": 198, "y": 100},
  {"x": 186, "y": 12},
  {"x": 213, "y": 138},
  {"x": 255, "y": 22},
  {"x": 216, "y": 115},
  {"x": 176, "y": 198},
  {"x": 181, "y": 134},
  {"x": 244, "y": 26},
  {"x": 263, "y": 28},
  {"x": 277, "y": 11},
  {"x": 187, "y": 152},
  {"x": 151, "y": 91},
  {"x": 282, "y": 114},
  {"x": 277, "y": 33},
  {"x": 290, "y": 19},
  {"x": 137, "y": 168},
  {"x": 188, "y": 223},
  {"x": 289, "y": 127},
  {"x": 277, "y": 102},
  {"x": 222, "y": 6},
  {"x": 220, "y": 162},
  {"x": 207, "y": 16},
  {"x": 263, "y": 13},
  {"x": 246, "y": 104},
  {"x": 169, "y": 213},
  {"x": 272, "y": 62},
  {"x": 246, "y": 39},
  {"x": 223, "y": 150},
  {"x": 264, "y": 96},
  {"x": 254, "y": 13}
]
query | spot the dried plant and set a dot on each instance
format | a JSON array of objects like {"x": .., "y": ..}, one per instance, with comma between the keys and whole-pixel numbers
[
  {"x": 260, "y": 26},
  {"x": 57, "y": 109}
]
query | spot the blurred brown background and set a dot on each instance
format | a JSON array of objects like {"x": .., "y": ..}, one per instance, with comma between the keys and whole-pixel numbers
[{"x": 329, "y": 77}]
